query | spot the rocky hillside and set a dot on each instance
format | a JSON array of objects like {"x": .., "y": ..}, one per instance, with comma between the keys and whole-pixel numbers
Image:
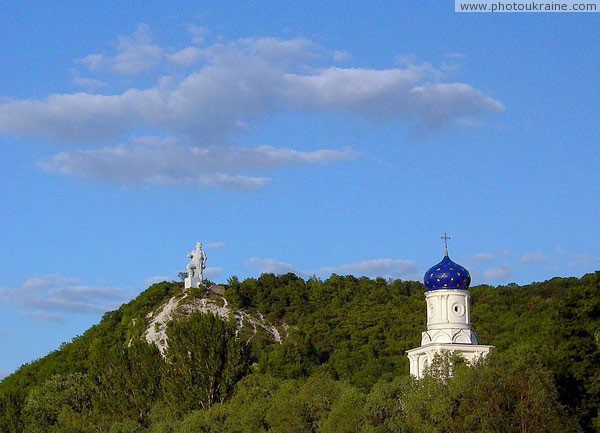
[{"x": 204, "y": 301}]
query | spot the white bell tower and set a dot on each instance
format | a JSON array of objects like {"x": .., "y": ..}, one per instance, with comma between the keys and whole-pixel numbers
[{"x": 448, "y": 316}]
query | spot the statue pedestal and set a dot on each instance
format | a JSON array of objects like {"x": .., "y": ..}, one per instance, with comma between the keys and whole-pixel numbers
[{"x": 192, "y": 282}]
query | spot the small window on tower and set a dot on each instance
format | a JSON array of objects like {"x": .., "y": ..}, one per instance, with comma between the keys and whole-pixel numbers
[{"x": 458, "y": 309}]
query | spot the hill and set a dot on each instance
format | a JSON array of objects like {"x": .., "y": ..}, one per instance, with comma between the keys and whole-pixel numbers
[{"x": 281, "y": 354}]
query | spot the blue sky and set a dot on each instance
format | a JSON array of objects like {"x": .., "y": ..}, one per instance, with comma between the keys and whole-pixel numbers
[{"x": 317, "y": 138}]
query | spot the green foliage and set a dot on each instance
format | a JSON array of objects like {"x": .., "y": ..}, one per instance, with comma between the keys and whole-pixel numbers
[
  {"x": 204, "y": 361},
  {"x": 347, "y": 414},
  {"x": 341, "y": 366},
  {"x": 385, "y": 411},
  {"x": 508, "y": 394},
  {"x": 127, "y": 425},
  {"x": 128, "y": 381},
  {"x": 11, "y": 406},
  {"x": 205, "y": 421},
  {"x": 248, "y": 408},
  {"x": 60, "y": 402},
  {"x": 296, "y": 357}
]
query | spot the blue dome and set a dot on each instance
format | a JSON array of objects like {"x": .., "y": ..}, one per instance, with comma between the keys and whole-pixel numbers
[{"x": 447, "y": 275}]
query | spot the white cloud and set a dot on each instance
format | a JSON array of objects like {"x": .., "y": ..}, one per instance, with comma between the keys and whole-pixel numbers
[
  {"x": 231, "y": 87},
  {"x": 452, "y": 62},
  {"x": 135, "y": 54},
  {"x": 78, "y": 116},
  {"x": 272, "y": 266},
  {"x": 157, "y": 279},
  {"x": 483, "y": 257},
  {"x": 438, "y": 105},
  {"x": 42, "y": 316},
  {"x": 215, "y": 245},
  {"x": 532, "y": 258},
  {"x": 94, "y": 62},
  {"x": 351, "y": 88},
  {"x": 90, "y": 84},
  {"x": 227, "y": 181},
  {"x": 185, "y": 57},
  {"x": 390, "y": 94},
  {"x": 244, "y": 81},
  {"x": 213, "y": 272},
  {"x": 341, "y": 56},
  {"x": 167, "y": 162},
  {"x": 584, "y": 260},
  {"x": 498, "y": 273},
  {"x": 197, "y": 33},
  {"x": 49, "y": 297},
  {"x": 387, "y": 268}
]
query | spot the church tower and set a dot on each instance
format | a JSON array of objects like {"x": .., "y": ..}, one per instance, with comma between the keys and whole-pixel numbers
[{"x": 448, "y": 317}]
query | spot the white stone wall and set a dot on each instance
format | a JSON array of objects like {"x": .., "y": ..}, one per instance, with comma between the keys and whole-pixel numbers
[{"x": 422, "y": 357}]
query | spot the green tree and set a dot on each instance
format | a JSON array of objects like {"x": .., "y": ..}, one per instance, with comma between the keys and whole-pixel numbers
[
  {"x": 347, "y": 414},
  {"x": 128, "y": 382},
  {"x": 385, "y": 411},
  {"x": 248, "y": 408},
  {"x": 496, "y": 395},
  {"x": 60, "y": 401},
  {"x": 512, "y": 395},
  {"x": 11, "y": 405},
  {"x": 204, "y": 361}
]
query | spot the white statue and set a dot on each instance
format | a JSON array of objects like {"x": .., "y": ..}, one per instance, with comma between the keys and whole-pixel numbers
[{"x": 196, "y": 267}]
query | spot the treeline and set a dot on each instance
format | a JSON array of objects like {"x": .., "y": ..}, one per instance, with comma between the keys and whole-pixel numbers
[{"x": 340, "y": 368}]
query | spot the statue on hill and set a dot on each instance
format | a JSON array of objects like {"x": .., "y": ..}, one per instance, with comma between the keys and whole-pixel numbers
[{"x": 196, "y": 267}]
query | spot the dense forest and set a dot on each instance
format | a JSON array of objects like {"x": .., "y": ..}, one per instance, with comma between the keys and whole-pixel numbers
[{"x": 340, "y": 367}]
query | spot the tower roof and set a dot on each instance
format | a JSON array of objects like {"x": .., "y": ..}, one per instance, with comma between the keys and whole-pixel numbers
[{"x": 447, "y": 275}]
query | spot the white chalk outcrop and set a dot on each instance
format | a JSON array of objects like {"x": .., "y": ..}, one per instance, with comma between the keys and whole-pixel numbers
[{"x": 185, "y": 305}]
